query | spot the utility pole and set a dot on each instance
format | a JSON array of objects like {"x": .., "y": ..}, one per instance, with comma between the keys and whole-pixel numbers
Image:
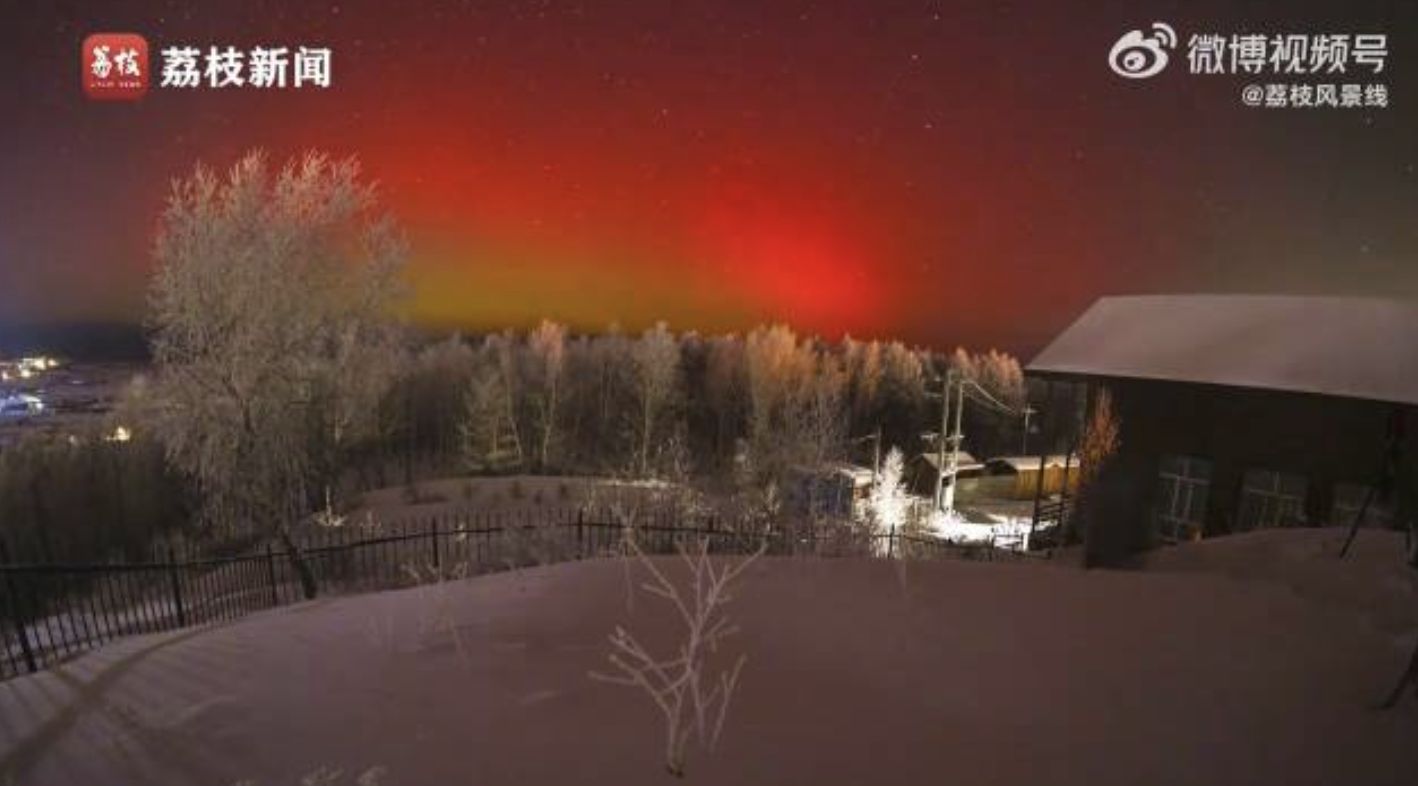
[
  {"x": 876, "y": 458},
  {"x": 956, "y": 438},
  {"x": 940, "y": 439}
]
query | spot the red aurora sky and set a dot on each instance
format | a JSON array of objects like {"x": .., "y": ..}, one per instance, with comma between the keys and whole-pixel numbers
[{"x": 943, "y": 172}]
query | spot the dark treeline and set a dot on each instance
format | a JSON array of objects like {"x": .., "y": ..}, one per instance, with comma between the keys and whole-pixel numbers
[
  {"x": 89, "y": 341},
  {"x": 86, "y": 497}
]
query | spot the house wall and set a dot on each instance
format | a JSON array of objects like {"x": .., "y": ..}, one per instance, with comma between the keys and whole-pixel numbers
[
  {"x": 1325, "y": 439},
  {"x": 1005, "y": 485},
  {"x": 1026, "y": 483}
]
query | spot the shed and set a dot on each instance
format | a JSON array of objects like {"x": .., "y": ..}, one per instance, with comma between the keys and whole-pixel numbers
[{"x": 1244, "y": 411}]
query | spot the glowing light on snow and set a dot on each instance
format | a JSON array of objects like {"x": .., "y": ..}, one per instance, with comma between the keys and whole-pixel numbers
[{"x": 1003, "y": 531}]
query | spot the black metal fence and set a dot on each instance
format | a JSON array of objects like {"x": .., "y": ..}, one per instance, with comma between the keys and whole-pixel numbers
[
  {"x": 52, "y": 612},
  {"x": 1053, "y": 520}
]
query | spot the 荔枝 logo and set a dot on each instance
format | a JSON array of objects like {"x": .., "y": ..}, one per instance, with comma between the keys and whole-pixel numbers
[
  {"x": 1139, "y": 54},
  {"x": 114, "y": 66}
]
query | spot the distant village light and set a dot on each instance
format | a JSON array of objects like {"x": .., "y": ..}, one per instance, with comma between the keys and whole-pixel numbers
[
  {"x": 27, "y": 367},
  {"x": 21, "y": 405}
]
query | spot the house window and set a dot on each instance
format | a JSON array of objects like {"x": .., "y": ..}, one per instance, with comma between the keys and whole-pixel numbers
[
  {"x": 1271, "y": 499},
  {"x": 1349, "y": 498},
  {"x": 1183, "y": 484}
]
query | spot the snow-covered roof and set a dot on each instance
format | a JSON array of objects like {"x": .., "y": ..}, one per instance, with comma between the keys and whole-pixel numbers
[
  {"x": 854, "y": 472},
  {"x": 964, "y": 460},
  {"x": 1337, "y": 346},
  {"x": 1031, "y": 463}
]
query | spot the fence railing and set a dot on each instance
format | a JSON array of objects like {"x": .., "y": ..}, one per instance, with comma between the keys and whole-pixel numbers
[
  {"x": 52, "y": 612},
  {"x": 1053, "y": 518}
]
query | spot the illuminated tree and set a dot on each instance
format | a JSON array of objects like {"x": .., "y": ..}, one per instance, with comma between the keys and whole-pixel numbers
[
  {"x": 889, "y": 502},
  {"x": 270, "y": 310}
]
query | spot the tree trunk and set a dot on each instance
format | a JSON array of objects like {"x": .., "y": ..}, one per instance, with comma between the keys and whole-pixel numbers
[
  {"x": 548, "y": 427},
  {"x": 645, "y": 425},
  {"x": 1357, "y": 522}
]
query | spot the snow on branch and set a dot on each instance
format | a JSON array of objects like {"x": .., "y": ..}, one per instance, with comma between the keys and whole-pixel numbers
[{"x": 693, "y": 700}]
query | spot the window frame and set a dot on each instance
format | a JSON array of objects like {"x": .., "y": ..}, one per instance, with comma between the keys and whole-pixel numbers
[{"x": 1186, "y": 483}]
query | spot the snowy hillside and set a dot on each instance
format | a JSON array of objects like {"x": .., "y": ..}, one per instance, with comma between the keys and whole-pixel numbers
[{"x": 1244, "y": 661}]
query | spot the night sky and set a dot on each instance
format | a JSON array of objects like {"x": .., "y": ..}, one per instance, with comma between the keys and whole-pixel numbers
[{"x": 942, "y": 172}]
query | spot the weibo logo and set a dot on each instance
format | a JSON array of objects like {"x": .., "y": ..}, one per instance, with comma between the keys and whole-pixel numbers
[
  {"x": 114, "y": 66},
  {"x": 1139, "y": 55}
]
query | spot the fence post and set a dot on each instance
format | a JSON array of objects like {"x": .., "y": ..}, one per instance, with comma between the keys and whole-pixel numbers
[
  {"x": 581, "y": 533},
  {"x": 433, "y": 535},
  {"x": 891, "y": 542},
  {"x": 176, "y": 587},
  {"x": 21, "y": 626},
  {"x": 271, "y": 574}
]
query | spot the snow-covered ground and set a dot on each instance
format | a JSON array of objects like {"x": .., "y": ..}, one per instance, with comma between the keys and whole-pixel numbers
[
  {"x": 999, "y": 531},
  {"x": 1249, "y": 660}
]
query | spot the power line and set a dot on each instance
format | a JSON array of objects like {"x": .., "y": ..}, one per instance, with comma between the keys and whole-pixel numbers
[{"x": 999, "y": 405}]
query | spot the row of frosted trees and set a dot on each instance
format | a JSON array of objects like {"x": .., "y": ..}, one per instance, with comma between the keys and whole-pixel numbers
[{"x": 661, "y": 404}]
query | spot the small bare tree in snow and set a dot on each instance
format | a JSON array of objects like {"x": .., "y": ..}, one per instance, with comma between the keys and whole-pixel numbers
[
  {"x": 436, "y": 617},
  {"x": 693, "y": 699},
  {"x": 270, "y": 311},
  {"x": 889, "y": 501}
]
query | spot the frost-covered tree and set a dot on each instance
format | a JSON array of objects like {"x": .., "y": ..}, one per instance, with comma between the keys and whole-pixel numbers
[
  {"x": 889, "y": 501},
  {"x": 820, "y": 426},
  {"x": 724, "y": 390},
  {"x": 901, "y": 399},
  {"x": 270, "y": 311},
  {"x": 547, "y": 349},
  {"x": 779, "y": 371},
  {"x": 655, "y": 362},
  {"x": 862, "y": 362},
  {"x": 490, "y": 434}
]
